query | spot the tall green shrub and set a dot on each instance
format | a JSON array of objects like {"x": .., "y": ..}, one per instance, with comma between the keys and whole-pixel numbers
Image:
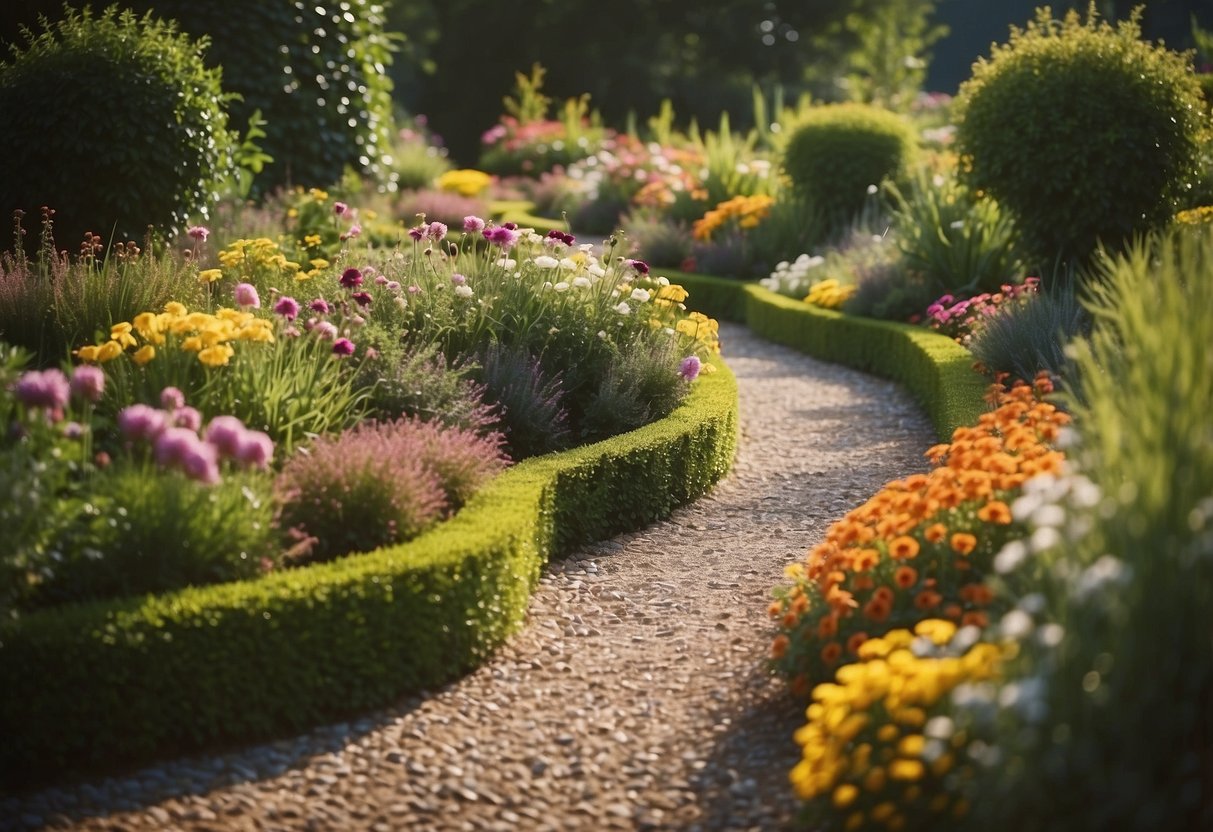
[
  {"x": 316, "y": 71},
  {"x": 1081, "y": 129},
  {"x": 115, "y": 122},
  {"x": 839, "y": 150}
]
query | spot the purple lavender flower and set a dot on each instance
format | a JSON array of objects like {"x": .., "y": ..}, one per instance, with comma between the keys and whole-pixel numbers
[
  {"x": 88, "y": 383},
  {"x": 343, "y": 346},
  {"x": 690, "y": 367},
  {"x": 351, "y": 278},
  {"x": 287, "y": 307},
  {"x": 47, "y": 389},
  {"x": 246, "y": 295},
  {"x": 171, "y": 398}
]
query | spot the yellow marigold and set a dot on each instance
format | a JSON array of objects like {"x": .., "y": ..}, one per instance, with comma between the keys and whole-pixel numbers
[
  {"x": 311, "y": 240},
  {"x": 216, "y": 356},
  {"x": 210, "y": 275}
]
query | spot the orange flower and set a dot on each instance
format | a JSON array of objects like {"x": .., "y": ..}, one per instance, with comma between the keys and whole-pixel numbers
[
  {"x": 952, "y": 611},
  {"x": 855, "y": 641},
  {"x": 927, "y": 599},
  {"x": 827, "y": 627},
  {"x": 831, "y": 653},
  {"x": 862, "y": 582},
  {"x": 779, "y": 646},
  {"x": 877, "y": 610},
  {"x": 800, "y": 685},
  {"x": 775, "y": 609},
  {"x": 963, "y": 543},
  {"x": 883, "y": 594},
  {"x": 800, "y": 604},
  {"x": 840, "y": 600},
  {"x": 789, "y": 620},
  {"x": 902, "y": 548},
  {"x": 977, "y": 618},
  {"x": 996, "y": 512},
  {"x": 905, "y": 576},
  {"x": 866, "y": 559},
  {"x": 977, "y": 593},
  {"x": 936, "y": 532}
]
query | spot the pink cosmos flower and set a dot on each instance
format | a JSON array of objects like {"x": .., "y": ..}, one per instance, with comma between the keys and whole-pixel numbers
[{"x": 246, "y": 296}]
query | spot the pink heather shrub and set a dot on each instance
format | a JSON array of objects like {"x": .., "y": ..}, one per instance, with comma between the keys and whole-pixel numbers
[{"x": 378, "y": 484}]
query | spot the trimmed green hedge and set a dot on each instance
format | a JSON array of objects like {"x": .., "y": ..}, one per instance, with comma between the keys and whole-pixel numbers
[
  {"x": 122, "y": 682},
  {"x": 937, "y": 370}
]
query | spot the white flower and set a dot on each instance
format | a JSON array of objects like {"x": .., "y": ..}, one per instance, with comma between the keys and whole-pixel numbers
[
  {"x": 596, "y": 270},
  {"x": 464, "y": 291},
  {"x": 957, "y": 225},
  {"x": 581, "y": 282},
  {"x": 507, "y": 263},
  {"x": 568, "y": 265},
  {"x": 640, "y": 295},
  {"x": 872, "y": 189},
  {"x": 1011, "y": 556},
  {"x": 545, "y": 262},
  {"x": 602, "y": 334},
  {"x": 561, "y": 287},
  {"x": 623, "y": 308}
]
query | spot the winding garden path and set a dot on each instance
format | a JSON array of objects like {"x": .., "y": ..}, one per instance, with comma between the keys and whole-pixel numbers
[{"x": 634, "y": 698}]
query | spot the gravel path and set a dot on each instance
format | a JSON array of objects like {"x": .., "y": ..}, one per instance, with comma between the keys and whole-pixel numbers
[{"x": 634, "y": 698}]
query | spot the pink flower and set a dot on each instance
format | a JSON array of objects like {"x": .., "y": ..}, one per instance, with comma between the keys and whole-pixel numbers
[
  {"x": 171, "y": 398},
  {"x": 689, "y": 369},
  {"x": 362, "y": 298},
  {"x": 287, "y": 307},
  {"x": 340, "y": 208},
  {"x": 255, "y": 449},
  {"x": 88, "y": 383},
  {"x": 473, "y": 224},
  {"x": 458, "y": 279},
  {"x": 47, "y": 389},
  {"x": 355, "y": 230},
  {"x": 198, "y": 233},
  {"x": 325, "y": 330},
  {"x": 351, "y": 278},
  {"x": 173, "y": 444},
  {"x": 138, "y": 421},
  {"x": 418, "y": 232},
  {"x": 501, "y": 236},
  {"x": 343, "y": 346},
  {"x": 319, "y": 305},
  {"x": 225, "y": 432},
  {"x": 246, "y": 296},
  {"x": 639, "y": 265},
  {"x": 437, "y": 230},
  {"x": 561, "y": 237},
  {"x": 187, "y": 417},
  {"x": 200, "y": 463}
]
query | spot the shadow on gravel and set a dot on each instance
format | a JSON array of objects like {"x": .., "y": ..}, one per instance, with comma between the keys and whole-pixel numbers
[{"x": 744, "y": 785}]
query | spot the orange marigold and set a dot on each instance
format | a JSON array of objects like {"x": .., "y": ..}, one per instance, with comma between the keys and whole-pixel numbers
[
  {"x": 903, "y": 547},
  {"x": 936, "y": 532},
  {"x": 963, "y": 542},
  {"x": 779, "y": 646},
  {"x": 905, "y": 576},
  {"x": 996, "y": 512}
]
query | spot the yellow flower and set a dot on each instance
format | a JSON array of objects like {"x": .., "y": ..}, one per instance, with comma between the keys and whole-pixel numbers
[
  {"x": 311, "y": 241},
  {"x": 216, "y": 356},
  {"x": 319, "y": 263},
  {"x": 109, "y": 351},
  {"x": 192, "y": 344},
  {"x": 122, "y": 334},
  {"x": 466, "y": 181},
  {"x": 144, "y": 354},
  {"x": 210, "y": 275},
  {"x": 88, "y": 354},
  {"x": 175, "y": 309},
  {"x": 845, "y": 795},
  {"x": 318, "y": 194}
]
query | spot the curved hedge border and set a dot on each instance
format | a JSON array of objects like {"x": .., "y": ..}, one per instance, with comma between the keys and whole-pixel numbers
[
  {"x": 937, "y": 371},
  {"x": 122, "y": 682}
]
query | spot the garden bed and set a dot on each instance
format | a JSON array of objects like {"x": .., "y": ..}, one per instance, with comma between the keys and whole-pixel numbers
[{"x": 105, "y": 684}]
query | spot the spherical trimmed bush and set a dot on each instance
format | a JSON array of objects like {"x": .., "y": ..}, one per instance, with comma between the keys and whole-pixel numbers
[
  {"x": 316, "y": 71},
  {"x": 115, "y": 122},
  {"x": 1083, "y": 131},
  {"x": 840, "y": 150}
]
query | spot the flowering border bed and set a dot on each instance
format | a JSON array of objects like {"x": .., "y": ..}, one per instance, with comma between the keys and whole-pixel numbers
[
  {"x": 937, "y": 371},
  {"x": 122, "y": 682}
]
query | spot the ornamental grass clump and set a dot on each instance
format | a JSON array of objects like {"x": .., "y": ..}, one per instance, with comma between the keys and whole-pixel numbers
[
  {"x": 922, "y": 546},
  {"x": 879, "y": 750},
  {"x": 379, "y": 483}
]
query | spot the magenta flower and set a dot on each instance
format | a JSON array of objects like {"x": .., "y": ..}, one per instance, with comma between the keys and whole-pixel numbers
[
  {"x": 380, "y": 280},
  {"x": 287, "y": 307},
  {"x": 362, "y": 298},
  {"x": 200, "y": 463},
  {"x": 354, "y": 231},
  {"x": 47, "y": 389},
  {"x": 319, "y": 305},
  {"x": 88, "y": 383},
  {"x": 351, "y": 278},
  {"x": 173, "y": 444},
  {"x": 187, "y": 417},
  {"x": 414, "y": 289},
  {"x": 340, "y": 208},
  {"x": 560, "y": 236},
  {"x": 501, "y": 236},
  {"x": 418, "y": 232},
  {"x": 171, "y": 398},
  {"x": 246, "y": 296},
  {"x": 255, "y": 449},
  {"x": 198, "y": 233},
  {"x": 690, "y": 367},
  {"x": 325, "y": 330},
  {"x": 437, "y": 230},
  {"x": 343, "y": 346},
  {"x": 138, "y": 421},
  {"x": 639, "y": 265},
  {"x": 225, "y": 434},
  {"x": 473, "y": 224}
]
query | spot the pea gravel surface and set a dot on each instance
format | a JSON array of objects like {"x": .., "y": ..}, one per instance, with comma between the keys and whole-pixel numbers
[{"x": 635, "y": 697}]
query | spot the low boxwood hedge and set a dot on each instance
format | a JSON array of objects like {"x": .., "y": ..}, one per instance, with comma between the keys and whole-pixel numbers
[
  {"x": 938, "y": 371},
  {"x": 122, "y": 682}
]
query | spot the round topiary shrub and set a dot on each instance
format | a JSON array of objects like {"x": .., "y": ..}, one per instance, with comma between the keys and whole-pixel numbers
[
  {"x": 316, "y": 71},
  {"x": 839, "y": 150},
  {"x": 115, "y": 122},
  {"x": 1083, "y": 131}
]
